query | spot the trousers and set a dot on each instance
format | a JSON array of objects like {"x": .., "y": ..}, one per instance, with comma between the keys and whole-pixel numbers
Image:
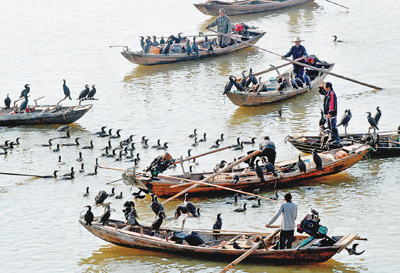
[{"x": 286, "y": 237}]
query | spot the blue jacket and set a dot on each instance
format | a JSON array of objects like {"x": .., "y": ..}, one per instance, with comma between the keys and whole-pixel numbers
[{"x": 297, "y": 52}]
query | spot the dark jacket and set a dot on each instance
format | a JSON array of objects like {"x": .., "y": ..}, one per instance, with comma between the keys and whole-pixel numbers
[
  {"x": 223, "y": 24},
  {"x": 297, "y": 52},
  {"x": 330, "y": 104}
]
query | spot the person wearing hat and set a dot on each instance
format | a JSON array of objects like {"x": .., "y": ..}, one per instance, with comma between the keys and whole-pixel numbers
[
  {"x": 267, "y": 148},
  {"x": 297, "y": 51},
  {"x": 223, "y": 24},
  {"x": 288, "y": 210}
]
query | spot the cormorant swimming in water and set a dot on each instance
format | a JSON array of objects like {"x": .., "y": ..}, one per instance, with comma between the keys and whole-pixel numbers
[
  {"x": 345, "y": 120},
  {"x": 216, "y": 145},
  {"x": 119, "y": 196},
  {"x": 89, "y": 147},
  {"x": 195, "y": 142},
  {"x": 84, "y": 92},
  {"x": 47, "y": 145},
  {"x": 7, "y": 102},
  {"x": 241, "y": 209},
  {"x": 112, "y": 192},
  {"x": 301, "y": 165},
  {"x": 102, "y": 131},
  {"x": 50, "y": 176},
  {"x": 95, "y": 171},
  {"x": 194, "y": 134},
  {"x": 258, "y": 204},
  {"x": 82, "y": 168},
  {"x": 57, "y": 149},
  {"x": 336, "y": 40},
  {"x": 86, "y": 194},
  {"x": 89, "y": 216},
  {"x": 250, "y": 142},
  {"x": 378, "y": 115},
  {"x": 67, "y": 93},
  {"x": 317, "y": 160}
]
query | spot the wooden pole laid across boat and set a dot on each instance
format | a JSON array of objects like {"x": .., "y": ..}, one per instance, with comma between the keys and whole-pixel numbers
[
  {"x": 251, "y": 250},
  {"x": 302, "y": 64},
  {"x": 227, "y": 168}
]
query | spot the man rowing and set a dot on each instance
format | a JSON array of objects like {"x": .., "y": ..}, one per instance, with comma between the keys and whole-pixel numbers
[
  {"x": 297, "y": 51},
  {"x": 223, "y": 24}
]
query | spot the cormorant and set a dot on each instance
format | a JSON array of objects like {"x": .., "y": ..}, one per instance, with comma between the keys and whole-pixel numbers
[
  {"x": 86, "y": 194},
  {"x": 250, "y": 142},
  {"x": 100, "y": 197},
  {"x": 191, "y": 208},
  {"x": 24, "y": 104},
  {"x": 194, "y": 134},
  {"x": 92, "y": 92},
  {"x": 79, "y": 159},
  {"x": 119, "y": 196},
  {"x": 372, "y": 122},
  {"x": 162, "y": 41},
  {"x": 322, "y": 120},
  {"x": 73, "y": 144},
  {"x": 57, "y": 149},
  {"x": 142, "y": 43},
  {"x": 222, "y": 164},
  {"x": 50, "y": 176},
  {"x": 156, "y": 206},
  {"x": 107, "y": 213},
  {"x": 66, "y": 136},
  {"x": 301, "y": 165},
  {"x": 269, "y": 167},
  {"x": 67, "y": 93},
  {"x": 118, "y": 135},
  {"x": 158, "y": 145},
  {"x": 195, "y": 142},
  {"x": 165, "y": 50},
  {"x": 147, "y": 45},
  {"x": 155, "y": 226},
  {"x": 163, "y": 147},
  {"x": 222, "y": 138},
  {"x": 188, "y": 48},
  {"x": 259, "y": 172},
  {"x": 378, "y": 115},
  {"x": 179, "y": 39},
  {"x": 145, "y": 145},
  {"x": 238, "y": 143},
  {"x": 317, "y": 160},
  {"x": 217, "y": 224},
  {"x": 89, "y": 147},
  {"x": 336, "y": 40},
  {"x": 241, "y": 209},
  {"x": 89, "y": 216},
  {"x": 216, "y": 145},
  {"x": 240, "y": 147},
  {"x": 235, "y": 200},
  {"x": 47, "y": 145},
  {"x": 70, "y": 173},
  {"x": 258, "y": 204},
  {"x": 195, "y": 47},
  {"x": 84, "y": 92},
  {"x": 25, "y": 91},
  {"x": 102, "y": 131},
  {"x": 236, "y": 246},
  {"x": 7, "y": 102},
  {"x": 59, "y": 161},
  {"x": 345, "y": 120},
  {"x": 82, "y": 169},
  {"x": 155, "y": 43},
  {"x": 95, "y": 171}
]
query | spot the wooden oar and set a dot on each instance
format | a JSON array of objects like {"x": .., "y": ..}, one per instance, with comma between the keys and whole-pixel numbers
[
  {"x": 200, "y": 155},
  {"x": 301, "y": 64},
  {"x": 337, "y": 4},
  {"x": 227, "y": 168},
  {"x": 108, "y": 183},
  {"x": 21, "y": 174},
  {"x": 250, "y": 251}
]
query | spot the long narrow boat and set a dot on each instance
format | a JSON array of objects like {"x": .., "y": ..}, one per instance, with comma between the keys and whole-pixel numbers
[
  {"x": 334, "y": 161},
  {"x": 387, "y": 145},
  {"x": 250, "y": 97},
  {"x": 247, "y": 6},
  {"x": 43, "y": 115},
  {"x": 219, "y": 246},
  {"x": 178, "y": 54}
]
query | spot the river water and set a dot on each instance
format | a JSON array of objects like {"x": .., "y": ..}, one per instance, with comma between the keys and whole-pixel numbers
[{"x": 44, "y": 42}]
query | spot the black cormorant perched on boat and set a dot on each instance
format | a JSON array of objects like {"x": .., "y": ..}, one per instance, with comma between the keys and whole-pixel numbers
[
  {"x": 188, "y": 48},
  {"x": 84, "y": 92},
  {"x": 24, "y": 104},
  {"x": 7, "y": 101},
  {"x": 259, "y": 172},
  {"x": 162, "y": 41},
  {"x": 67, "y": 93},
  {"x": 89, "y": 217},
  {"x": 95, "y": 171},
  {"x": 269, "y": 167},
  {"x": 155, "y": 43},
  {"x": 92, "y": 92},
  {"x": 25, "y": 91},
  {"x": 258, "y": 204},
  {"x": 191, "y": 208},
  {"x": 155, "y": 226},
  {"x": 322, "y": 120},
  {"x": 345, "y": 120},
  {"x": 301, "y": 165},
  {"x": 217, "y": 224},
  {"x": 250, "y": 142},
  {"x": 107, "y": 213},
  {"x": 241, "y": 209},
  {"x": 236, "y": 246},
  {"x": 156, "y": 206},
  {"x": 378, "y": 115},
  {"x": 195, "y": 47},
  {"x": 372, "y": 122},
  {"x": 165, "y": 50},
  {"x": 102, "y": 131},
  {"x": 194, "y": 134},
  {"x": 142, "y": 43},
  {"x": 336, "y": 40},
  {"x": 216, "y": 145},
  {"x": 100, "y": 197},
  {"x": 179, "y": 38},
  {"x": 89, "y": 147},
  {"x": 86, "y": 194},
  {"x": 317, "y": 160},
  {"x": 147, "y": 45}
]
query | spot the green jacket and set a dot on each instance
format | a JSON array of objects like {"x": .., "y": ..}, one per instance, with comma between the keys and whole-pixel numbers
[{"x": 223, "y": 24}]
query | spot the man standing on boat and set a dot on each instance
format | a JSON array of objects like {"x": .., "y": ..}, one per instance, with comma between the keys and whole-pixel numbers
[
  {"x": 289, "y": 215},
  {"x": 268, "y": 149},
  {"x": 330, "y": 110},
  {"x": 223, "y": 24},
  {"x": 297, "y": 51}
]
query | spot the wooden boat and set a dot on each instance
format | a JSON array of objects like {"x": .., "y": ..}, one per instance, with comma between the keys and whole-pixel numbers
[
  {"x": 250, "y": 97},
  {"x": 334, "y": 161},
  {"x": 43, "y": 115},
  {"x": 247, "y": 6},
  {"x": 387, "y": 145},
  {"x": 177, "y": 53},
  {"x": 218, "y": 246}
]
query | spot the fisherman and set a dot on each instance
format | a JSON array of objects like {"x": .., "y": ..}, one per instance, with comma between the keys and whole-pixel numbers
[
  {"x": 223, "y": 24},
  {"x": 297, "y": 51},
  {"x": 330, "y": 109},
  {"x": 289, "y": 215},
  {"x": 160, "y": 164},
  {"x": 268, "y": 149}
]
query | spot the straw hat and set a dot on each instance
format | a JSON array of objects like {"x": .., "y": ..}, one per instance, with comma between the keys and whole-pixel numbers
[{"x": 297, "y": 39}]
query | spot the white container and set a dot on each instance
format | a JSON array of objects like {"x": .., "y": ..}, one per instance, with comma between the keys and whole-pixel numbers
[{"x": 272, "y": 84}]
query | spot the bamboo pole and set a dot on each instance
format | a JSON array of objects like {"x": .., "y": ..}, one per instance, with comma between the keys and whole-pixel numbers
[
  {"x": 301, "y": 64},
  {"x": 337, "y": 4},
  {"x": 200, "y": 155},
  {"x": 21, "y": 174}
]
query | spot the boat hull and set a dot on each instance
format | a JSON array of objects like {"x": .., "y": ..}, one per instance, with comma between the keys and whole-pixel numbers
[
  {"x": 155, "y": 59},
  {"x": 213, "y": 8}
]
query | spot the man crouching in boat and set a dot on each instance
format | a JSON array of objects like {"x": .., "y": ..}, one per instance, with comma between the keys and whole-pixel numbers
[
  {"x": 289, "y": 215},
  {"x": 160, "y": 164},
  {"x": 223, "y": 24}
]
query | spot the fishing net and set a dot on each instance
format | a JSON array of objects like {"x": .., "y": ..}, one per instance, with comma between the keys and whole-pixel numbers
[{"x": 129, "y": 176}]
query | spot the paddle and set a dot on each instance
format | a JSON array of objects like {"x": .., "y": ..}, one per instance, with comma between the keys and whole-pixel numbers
[
  {"x": 301, "y": 64},
  {"x": 227, "y": 168},
  {"x": 250, "y": 251},
  {"x": 337, "y": 4},
  {"x": 200, "y": 155}
]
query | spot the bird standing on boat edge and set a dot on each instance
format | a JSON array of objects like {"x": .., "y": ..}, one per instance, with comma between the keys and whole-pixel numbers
[
  {"x": 84, "y": 92},
  {"x": 317, "y": 160},
  {"x": 7, "y": 102},
  {"x": 89, "y": 217},
  {"x": 67, "y": 92},
  {"x": 217, "y": 224},
  {"x": 345, "y": 120},
  {"x": 25, "y": 91}
]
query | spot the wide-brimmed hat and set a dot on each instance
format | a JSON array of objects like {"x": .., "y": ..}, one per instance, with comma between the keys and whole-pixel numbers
[{"x": 297, "y": 39}]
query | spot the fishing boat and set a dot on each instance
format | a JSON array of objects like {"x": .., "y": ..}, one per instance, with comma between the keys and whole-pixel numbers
[
  {"x": 383, "y": 145},
  {"x": 43, "y": 115},
  {"x": 247, "y": 6},
  {"x": 177, "y": 52},
  {"x": 334, "y": 161},
  {"x": 271, "y": 91},
  {"x": 219, "y": 246}
]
